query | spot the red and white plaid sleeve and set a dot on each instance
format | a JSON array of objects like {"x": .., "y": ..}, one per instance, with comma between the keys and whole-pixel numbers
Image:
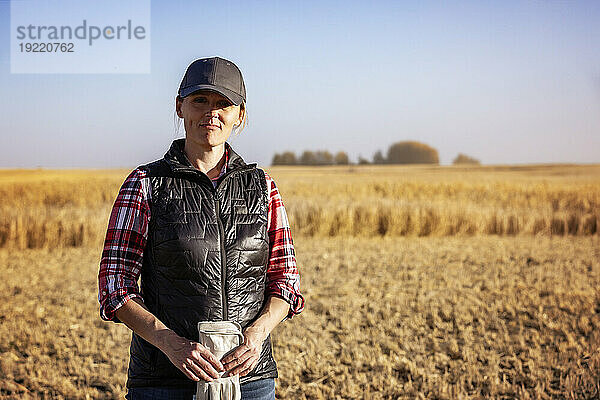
[
  {"x": 126, "y": 238},
  {"x": 283, "y": 279}
]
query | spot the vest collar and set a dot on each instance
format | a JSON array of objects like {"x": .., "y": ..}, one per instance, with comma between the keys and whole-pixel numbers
[{"x": 178, "y": 162}]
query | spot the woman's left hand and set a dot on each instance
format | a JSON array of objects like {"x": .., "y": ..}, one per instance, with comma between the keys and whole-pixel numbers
[{"x": 245, "y": 357}]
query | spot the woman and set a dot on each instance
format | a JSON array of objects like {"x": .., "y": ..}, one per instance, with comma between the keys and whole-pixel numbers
[{"x": 209, "y": 237}]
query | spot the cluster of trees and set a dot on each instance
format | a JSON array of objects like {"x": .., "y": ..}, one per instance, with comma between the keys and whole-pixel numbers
[
  {"x": 320, "y": 157},
  {"x": 407, "y": 152},
  {"x": 465, "y": 159},
  {"x": 411, "y": 152}
]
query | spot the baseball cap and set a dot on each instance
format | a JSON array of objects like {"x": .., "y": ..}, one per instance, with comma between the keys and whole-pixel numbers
[{"x": 216, "y": 74}]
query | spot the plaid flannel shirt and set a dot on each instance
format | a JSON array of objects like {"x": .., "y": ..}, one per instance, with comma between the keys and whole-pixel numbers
[{"x": 127, "y": 235}]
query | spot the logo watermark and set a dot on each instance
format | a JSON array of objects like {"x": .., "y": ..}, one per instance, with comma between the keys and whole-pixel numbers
[{"x": 67, "y": 36}]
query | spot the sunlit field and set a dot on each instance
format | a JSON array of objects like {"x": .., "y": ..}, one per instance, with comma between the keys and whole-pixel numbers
[
  {"x": 57, "y": 208},
  {"x": 420, "y": 282}
]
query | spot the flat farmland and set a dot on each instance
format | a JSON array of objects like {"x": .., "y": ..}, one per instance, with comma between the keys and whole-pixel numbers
[
  {"x": 426, "y": 289},
  {"x": 49, "y": 209}
]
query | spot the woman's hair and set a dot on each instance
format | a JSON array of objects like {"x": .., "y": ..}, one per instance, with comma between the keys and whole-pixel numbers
[{"x": 237, "y": 129}]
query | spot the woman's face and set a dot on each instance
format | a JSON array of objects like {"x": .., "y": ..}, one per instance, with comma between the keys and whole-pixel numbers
[{"x": 208, "y": 118}]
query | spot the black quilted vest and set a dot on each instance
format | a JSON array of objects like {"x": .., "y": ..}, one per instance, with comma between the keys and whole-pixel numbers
[{"x": 205, "y": 259}]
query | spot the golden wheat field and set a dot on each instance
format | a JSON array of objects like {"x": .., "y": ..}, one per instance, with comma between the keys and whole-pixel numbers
[{"x": 420, "y": 282}]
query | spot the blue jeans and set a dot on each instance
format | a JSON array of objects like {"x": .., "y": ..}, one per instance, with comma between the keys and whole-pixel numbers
[{"x": 262, "y": 389}]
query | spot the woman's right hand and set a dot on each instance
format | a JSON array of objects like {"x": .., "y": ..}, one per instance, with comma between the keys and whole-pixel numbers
[{"x": 192, "y": 358}]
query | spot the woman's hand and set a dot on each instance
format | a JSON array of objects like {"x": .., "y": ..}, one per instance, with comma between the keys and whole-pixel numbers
[
  {"x": 245, "y": 357},
  {"x": 192, "y": 358}
]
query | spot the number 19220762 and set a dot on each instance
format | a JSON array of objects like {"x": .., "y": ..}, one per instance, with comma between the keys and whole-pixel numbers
[{"x": 46, "y": 47}]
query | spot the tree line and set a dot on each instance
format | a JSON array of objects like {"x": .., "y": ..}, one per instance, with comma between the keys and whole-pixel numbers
[
  {"x": 406, "y": 152},
  {"x": 321, "y": 157}
]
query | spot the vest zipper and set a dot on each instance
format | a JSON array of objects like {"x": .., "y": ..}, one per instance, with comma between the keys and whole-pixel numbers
[
  {"x": 222, "y": 235},
  {"x": 223, "y": 259}
]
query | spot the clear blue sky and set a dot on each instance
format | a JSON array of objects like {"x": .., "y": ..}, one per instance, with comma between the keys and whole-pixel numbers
[{"x": 505, "y": 82}]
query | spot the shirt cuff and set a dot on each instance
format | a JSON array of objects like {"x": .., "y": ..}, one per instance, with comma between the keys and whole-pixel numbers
[
  {"x": 295, "y": 300},
  {"x": 112, "y": 303}
]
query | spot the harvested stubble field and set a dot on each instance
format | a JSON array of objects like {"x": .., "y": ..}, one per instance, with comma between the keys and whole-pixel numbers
[{"x": 391, "y": 312}]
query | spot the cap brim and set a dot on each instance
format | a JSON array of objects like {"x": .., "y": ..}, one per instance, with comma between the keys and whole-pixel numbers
[{"x": 229, "y": 94}]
